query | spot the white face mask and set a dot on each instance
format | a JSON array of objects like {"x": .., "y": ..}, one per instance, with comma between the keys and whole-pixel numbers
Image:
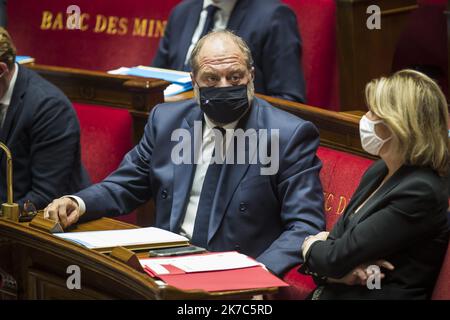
[{"x": 369, "y": 139}]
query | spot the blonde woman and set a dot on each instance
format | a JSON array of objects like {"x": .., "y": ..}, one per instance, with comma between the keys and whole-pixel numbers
[{"x": 392, "y": 238}]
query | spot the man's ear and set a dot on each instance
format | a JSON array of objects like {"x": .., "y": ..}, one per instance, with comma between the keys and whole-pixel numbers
[{"x": 4, "y": 70}]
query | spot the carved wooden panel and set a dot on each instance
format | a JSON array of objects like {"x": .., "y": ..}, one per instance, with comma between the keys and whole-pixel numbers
[
  {"x": 46, "y": 286},
  {"x": 365, "y": 54}
]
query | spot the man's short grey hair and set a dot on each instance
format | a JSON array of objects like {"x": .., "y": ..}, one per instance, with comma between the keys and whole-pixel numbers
[{"x": 221, "y": 33}]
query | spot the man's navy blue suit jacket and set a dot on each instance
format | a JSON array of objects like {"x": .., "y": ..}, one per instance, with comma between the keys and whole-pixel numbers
[
  {"x": 264, "y": 216},
  {"x": 42, "y": 130}
]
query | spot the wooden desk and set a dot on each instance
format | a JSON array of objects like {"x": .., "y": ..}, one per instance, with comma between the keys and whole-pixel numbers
[{"x": 38, "y": 262}]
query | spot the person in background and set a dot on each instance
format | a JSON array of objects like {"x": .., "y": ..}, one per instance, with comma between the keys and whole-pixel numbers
[
  {"x": 396, "y": 219},
  {"x": 269, "y": 28},
  {"x": 3, "y": 13},
  {"x": 40, "y": 127}
]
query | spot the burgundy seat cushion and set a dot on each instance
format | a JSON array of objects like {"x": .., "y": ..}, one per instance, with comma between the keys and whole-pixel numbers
[
  {"x": 106, "y": 136},
  {"x": 340, "y": 175}
]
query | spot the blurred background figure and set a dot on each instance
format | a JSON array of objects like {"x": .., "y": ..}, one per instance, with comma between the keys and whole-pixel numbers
[
  {"x": 3, "y": 14},
  {"x": 268, "y": 26}
]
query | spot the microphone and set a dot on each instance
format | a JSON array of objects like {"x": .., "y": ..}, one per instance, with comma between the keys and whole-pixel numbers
[{"x": 10, "y": 209}]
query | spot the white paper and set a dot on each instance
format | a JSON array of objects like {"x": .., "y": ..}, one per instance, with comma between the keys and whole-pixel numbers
[
  {"x": 184, "y": 74},
  {"x": 120, "y": 71},
  {"x": 201, "y": 263},
  {"x": 174, "y": 89},
  {"x": 128, "y": 237}
]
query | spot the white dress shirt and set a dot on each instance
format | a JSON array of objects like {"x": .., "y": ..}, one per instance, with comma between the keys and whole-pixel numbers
[
  {"x": 5, "y": 101},
  {"x": 203, "y": 160},
  {"x": 220, "y": 20}
]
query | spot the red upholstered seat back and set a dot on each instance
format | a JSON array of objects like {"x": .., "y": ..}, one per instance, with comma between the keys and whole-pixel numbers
[
  {"x": 317, "y": 25},
  {"x": 340, "y": 175},
  {"x": 106, "y": 136},
  {"x": 442, "y": 288}
]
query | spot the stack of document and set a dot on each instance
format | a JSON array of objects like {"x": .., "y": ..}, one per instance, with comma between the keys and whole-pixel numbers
[
  {"x": 24, "y": 59},
  {"x": 222, "y": 271},
  {"x": 135, "y": 239},
  {"x": 181, "y": 81}
]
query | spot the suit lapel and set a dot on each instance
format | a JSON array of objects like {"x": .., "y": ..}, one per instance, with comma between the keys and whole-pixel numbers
[
  {"x": 183, "y": 174},
  {"x": 237, "y": 15},
  {"x": 364, "y": 191},
  {"x": 232, "y": 174},
  {"x": 380, "y": 194},
  {"x": 193, "y": 16}
]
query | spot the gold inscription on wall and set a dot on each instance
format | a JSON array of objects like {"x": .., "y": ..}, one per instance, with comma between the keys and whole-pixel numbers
[{"x": 110, "y": 25}]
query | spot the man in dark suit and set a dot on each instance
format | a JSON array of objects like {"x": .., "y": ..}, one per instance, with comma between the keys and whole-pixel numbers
[
  {"x": 269, "y": 28},
  {"x": 41, "y": 129},
  {"x": 3, "y": 13},
  {"x": 236, "y": 205}
]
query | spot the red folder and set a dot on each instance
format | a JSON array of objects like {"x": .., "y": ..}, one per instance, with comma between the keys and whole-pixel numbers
[
  {"x": 226, "y": 280},
  {"x": 250, "y": 277}
]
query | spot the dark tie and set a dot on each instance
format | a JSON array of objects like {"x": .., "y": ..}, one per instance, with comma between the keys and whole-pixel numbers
[
  {"x": 204, "y": 210},
  {"x": 2, "y": 114},
  {"x": 209, "y": 23}
]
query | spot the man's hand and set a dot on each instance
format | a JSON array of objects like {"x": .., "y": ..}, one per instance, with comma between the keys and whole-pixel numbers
[
  {"x": 360, "y": 274},
  {"x": 65, "y": 210}
]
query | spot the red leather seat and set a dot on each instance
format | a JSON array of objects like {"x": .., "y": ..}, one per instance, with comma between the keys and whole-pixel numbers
[
  {"x": 340, "y": 175},
  {"x": 106, "y": 136},
  {"x": 317, "y": 26}
]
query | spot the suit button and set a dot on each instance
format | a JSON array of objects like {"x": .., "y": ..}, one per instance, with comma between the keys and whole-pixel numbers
[
  {"x": 164, "y": 194},
  {"x": 242, "y": 207}
]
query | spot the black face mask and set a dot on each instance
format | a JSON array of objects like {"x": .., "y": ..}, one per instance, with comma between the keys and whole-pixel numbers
[{"x": 224, "y": 104}]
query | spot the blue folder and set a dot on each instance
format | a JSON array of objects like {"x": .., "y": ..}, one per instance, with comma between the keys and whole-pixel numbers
[{"x": 181, "y": 81}]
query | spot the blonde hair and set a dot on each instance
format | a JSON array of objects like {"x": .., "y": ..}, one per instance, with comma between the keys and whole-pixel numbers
[
  {"x": 415, "y": 109},
  {"x": 7, "y": 48}
]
